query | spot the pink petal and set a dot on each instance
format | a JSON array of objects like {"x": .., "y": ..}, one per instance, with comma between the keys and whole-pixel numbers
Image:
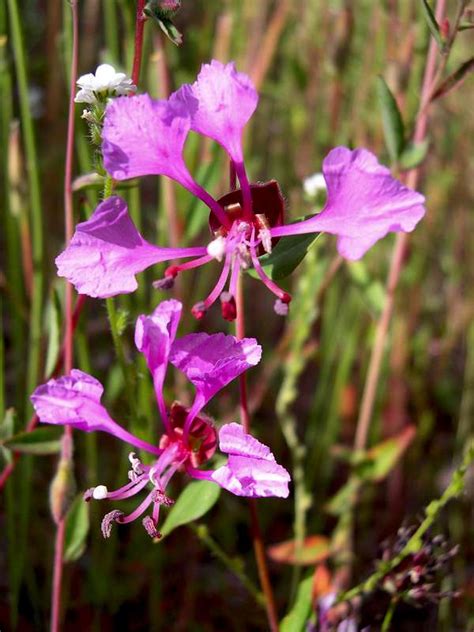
[
  {"x": 234, "y": 440},
  {"x": 154, "y": 336},
  {"x": 74, "y": 400},
  {"x": 210, "y": 362},
  {"x": 107, "y": 251},
  {"x": 142, "y": 137},
  {"x": 364, "y": 203},
  {"x": 220, "y": 103},
  {"x": 251, "y": 469}
]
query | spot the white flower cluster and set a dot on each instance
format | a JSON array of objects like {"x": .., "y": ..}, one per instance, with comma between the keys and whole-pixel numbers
[
  {"x": 314, "y": 184},
  {"x": 105, "y": 82}
]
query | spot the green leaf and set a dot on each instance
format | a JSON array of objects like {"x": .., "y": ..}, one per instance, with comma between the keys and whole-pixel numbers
[
  {"x": 122, "y": 321},
  {"x": 195, "y": 501},
  {"x": 7, "y": 424},
  {"x": 54, "y": 332},
  {"x": 311, "y": 551},
  {"x": 296, "y": 619},
  {"x": 372, "y": 290},
  {"x": 7, "y": 428},
  {"x": 39, "y": 441},
  {"x": 162, "y": 17},
  {"x": 414, "y": 154},
  {"x": 383, "y": 457},
  {"x": 77, "y": 528},
  {"x": 286, "y": 256},
  {"x": 465, "y": 26},
  {"x": 432, "y": 23},
  {"x": 344, "y": 498},
  {"x": 393, "y": 128},
  {"x": 454, "y": 80}
]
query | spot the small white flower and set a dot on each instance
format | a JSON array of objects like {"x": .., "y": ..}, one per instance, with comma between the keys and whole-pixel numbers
[
  {"x": 314, "y": 184},
  {"x": 105, "y": 80}
]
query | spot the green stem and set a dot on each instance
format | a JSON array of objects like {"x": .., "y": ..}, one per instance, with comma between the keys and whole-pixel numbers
[
  {"x": 119, "y": 350},
  {"x": 387, "y": 621},
  {"x": 34, "y": 195},
  {"x": 233, "y": 565}
]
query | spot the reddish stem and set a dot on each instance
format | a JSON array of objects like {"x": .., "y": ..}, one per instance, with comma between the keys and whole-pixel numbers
[
  {"x": 257, "y": 538},
  {"x": 137, "y": 55},
  {"x": 69, "y": 316},
  {"x": 396, "y": 263}
]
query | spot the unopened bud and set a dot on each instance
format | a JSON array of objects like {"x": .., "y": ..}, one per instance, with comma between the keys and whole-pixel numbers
[{"x": 62, "y": 489}]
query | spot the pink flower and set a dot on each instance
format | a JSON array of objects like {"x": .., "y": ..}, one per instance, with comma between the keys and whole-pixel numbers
[
  {"x": 210, "y": 362},
  {"x": 142, "y": 137}
]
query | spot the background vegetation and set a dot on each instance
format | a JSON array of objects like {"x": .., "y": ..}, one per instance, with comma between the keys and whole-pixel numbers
[{"x": 315, "y": 64}]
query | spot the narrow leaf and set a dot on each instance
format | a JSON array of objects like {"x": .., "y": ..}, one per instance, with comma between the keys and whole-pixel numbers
[
  {"x": 414, "y": 154},
  {"x": 154, "y": 10},
  {"x": 454, "y": 80},
  {"x": 384, "y": 456},
  {"x": 7, "y": 428},
  {"x": 54, "y": 333},
  {"x": 314, "y": 549},
  {"x": 77, "y": 528},
  {"x": 7, "y": 424},
  {"x": 393, "y": 128},
  {"x": 297, "y": 618},
  {"x": 195, "y": 501},
  {"x": 344, "y": 498},
  {"x": 39, "y": 441},
  {"x": 286, "y": 256},
  {"x": 432, "y": 23}
]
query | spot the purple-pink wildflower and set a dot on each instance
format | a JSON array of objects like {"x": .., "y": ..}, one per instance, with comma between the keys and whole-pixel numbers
[
  {"x": 143, "y": 137},
  {"x": 210, "y": 362}
]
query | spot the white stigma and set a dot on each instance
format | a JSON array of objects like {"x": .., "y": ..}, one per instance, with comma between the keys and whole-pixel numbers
[
  {"x": 100, "y": 492},
  {"x": 216, "y": 248}
]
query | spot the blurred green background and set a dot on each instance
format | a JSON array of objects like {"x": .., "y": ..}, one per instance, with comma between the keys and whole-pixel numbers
[{"x": 315, "y": 64}]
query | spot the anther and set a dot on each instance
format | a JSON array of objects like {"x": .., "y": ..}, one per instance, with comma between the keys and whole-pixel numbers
[
  {"x": 281, "y": 307},
  {"x": 167, "y": 283},
  {"x": 161, "y": 498},
  {"x": 266, "y": 238},
  {"x": 108, "y": 521},
  {"x": 135, "y": 463},
  {"x": 150, "y": 527}
]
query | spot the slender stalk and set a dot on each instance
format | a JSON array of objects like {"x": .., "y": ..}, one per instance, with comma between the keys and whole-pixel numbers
[
  {"x": 232, "y": 565},
  {"x": 34, "y": 195},
  {"x": 375, "y": 363},
  {"x": 387, "y": 620},
  {"x": 257, "y": 538},
  {"x": 69, "y": 316},
  {"x": 137, "y": 55}
]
